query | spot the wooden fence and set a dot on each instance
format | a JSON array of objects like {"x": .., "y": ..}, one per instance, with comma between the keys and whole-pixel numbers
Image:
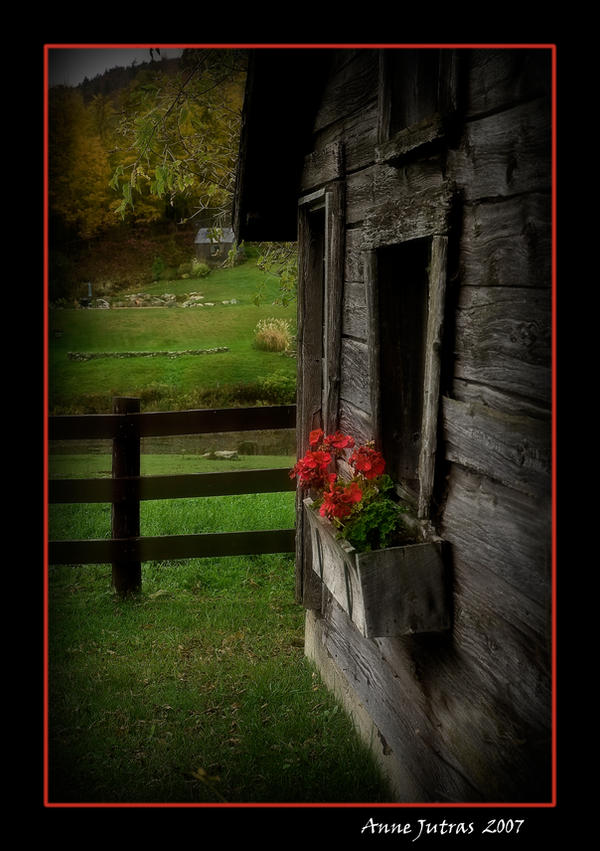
[{"x": 126, "y": 549}]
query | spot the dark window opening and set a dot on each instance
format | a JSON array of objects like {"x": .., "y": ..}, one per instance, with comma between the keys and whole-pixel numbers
[
  {"x": 317, "y": 273},
  {"x": 403, "y": 287},
  {"x": 413, "y": 80},
  {"x": 311, "y": 318}
]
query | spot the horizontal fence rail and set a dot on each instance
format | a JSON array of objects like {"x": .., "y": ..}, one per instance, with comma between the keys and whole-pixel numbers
[
  {"x": 171, "y": 423},
  {"x": 169, "y": 547},
  {"x": 126, "y": 549},
  {"x": 169, "y": 487}
]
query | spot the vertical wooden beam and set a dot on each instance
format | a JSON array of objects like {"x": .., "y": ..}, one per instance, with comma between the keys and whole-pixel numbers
[
  {"x": 433, "y": 347},
  {"x": 321, "y": 232},
  {"x": 384, "y": 97},
  {"x": 374, "y": 378},
  {"x": 125, "y": 514},
  {"x": 449, "y": 85},
  {"x": 334, "y": 287},
  {"x": 309, "y": 400}
]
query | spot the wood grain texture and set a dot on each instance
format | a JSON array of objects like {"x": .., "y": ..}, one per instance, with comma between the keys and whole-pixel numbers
[
  {"x": 357, "y": 133},
  {"x": 368, "y": 188},
  {"x": 503, "y": 339},
  {"x": 415, "y": 216},
  {"x": 349, "y": 89},
  {"x": 498, "y": 400},
  {"x": 500, "y": 529},
  {"x": 431, "y": 379},
  {"x": 409, "y": 140},
  {"x": 355, "y": 247},
  {"x": 500, "y": 78},
  {"x": 511, "y": 449},
  {"x": 354, "y": 312},
  {"x": 322, "y": 166},
  {"x": 356, "y": 422},
  {"x": 505, "y": 154},
  {"x": 355, "y": 384},
  {"x": 507, "y": 243}
]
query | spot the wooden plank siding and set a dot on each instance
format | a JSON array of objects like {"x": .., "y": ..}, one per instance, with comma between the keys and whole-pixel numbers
[{"x": 466, "y": 715}]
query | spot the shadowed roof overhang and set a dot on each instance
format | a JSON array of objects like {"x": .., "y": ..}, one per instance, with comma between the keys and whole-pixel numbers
[{"x": 282, "y": 96}]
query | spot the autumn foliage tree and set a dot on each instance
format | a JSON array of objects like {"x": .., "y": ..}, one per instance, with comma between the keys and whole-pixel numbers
[
  {"x": 178, "y": 136},
  {"x": 156, "y": 144},
  {"x": 80, "y": 199},
  {"x": 160, "y": 146}
]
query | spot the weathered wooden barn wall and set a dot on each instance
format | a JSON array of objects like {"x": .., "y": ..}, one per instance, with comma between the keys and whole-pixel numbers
[{"x": 463, "y": 715}]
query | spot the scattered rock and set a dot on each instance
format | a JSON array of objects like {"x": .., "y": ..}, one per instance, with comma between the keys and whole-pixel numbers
[
  {"x": 222, "y": 454},
  {"x": 194, "y": 300}
]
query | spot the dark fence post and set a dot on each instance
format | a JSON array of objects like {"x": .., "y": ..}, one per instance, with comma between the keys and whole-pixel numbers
[{"x": 125, "y": 521}]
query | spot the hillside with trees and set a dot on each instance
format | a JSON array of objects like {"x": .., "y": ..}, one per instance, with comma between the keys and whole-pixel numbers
[{"x": 138, "y": 159}]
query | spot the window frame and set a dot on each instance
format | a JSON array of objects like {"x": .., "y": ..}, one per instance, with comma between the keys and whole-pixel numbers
[
  {"x": 320, "y": 294},
  {"x": 408, "y": 141},
  {"x": 432, "y": 223}
]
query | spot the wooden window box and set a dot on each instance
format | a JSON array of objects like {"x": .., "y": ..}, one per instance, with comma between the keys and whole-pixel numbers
[{"x": 386, "y": 593}]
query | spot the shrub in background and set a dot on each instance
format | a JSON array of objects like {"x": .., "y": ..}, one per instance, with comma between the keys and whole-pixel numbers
[
  {"x": 236, "y": 255},
  {"x": 279, "y": 389},
  {"x": 273, "y": 335},
  {"x": 199, "y": 269},
  {"x": 168, "y": 274},
  {"x": 158, "y": 268}
]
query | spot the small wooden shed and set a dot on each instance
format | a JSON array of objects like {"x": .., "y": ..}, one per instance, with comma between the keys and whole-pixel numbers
[
  {"x": 213, "y": 245},
  {"x": 418, "y": 183}
]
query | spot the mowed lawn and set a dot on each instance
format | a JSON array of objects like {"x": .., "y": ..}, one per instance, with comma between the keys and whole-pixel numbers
[
  {"x": 197, "y": 689},
  {"x": 173, "y": 516},
  {"x": 88, "y": 385}
]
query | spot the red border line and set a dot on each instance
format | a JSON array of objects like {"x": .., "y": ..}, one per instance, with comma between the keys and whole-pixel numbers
[
  {"x": 45, "y": 428},
  {"x": 280, "y": 46},
  {"x": 414, "y": 804},
  {"x": 554, "y": 424}
]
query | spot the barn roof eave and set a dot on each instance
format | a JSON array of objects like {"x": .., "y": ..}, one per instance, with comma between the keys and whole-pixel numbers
[{"x": 282, "y": 94}]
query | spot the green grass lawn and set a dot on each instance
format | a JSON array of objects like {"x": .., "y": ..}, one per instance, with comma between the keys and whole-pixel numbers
[
  {"x": 165, "y": 383},
  {"x": 259, "y": 511},
  {"x": 197, "y": 690}
]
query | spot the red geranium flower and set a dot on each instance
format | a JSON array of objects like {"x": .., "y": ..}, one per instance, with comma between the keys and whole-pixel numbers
[
  {"x": 312, "y": 469},
  {"x": 368, "y": 461},
  {"x": 316, "y": 436},
  {"x": 340, "y": 499},
  {"x": 339, "y": 441}
]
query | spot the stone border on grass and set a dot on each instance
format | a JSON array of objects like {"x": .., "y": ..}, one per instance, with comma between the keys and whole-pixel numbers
[{"x": 85, "y": 356}]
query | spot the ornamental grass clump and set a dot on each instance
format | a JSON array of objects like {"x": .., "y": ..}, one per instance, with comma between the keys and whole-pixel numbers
[
  {"x": 364, "y": 509},
  {"x": 273, "y": 335}
]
